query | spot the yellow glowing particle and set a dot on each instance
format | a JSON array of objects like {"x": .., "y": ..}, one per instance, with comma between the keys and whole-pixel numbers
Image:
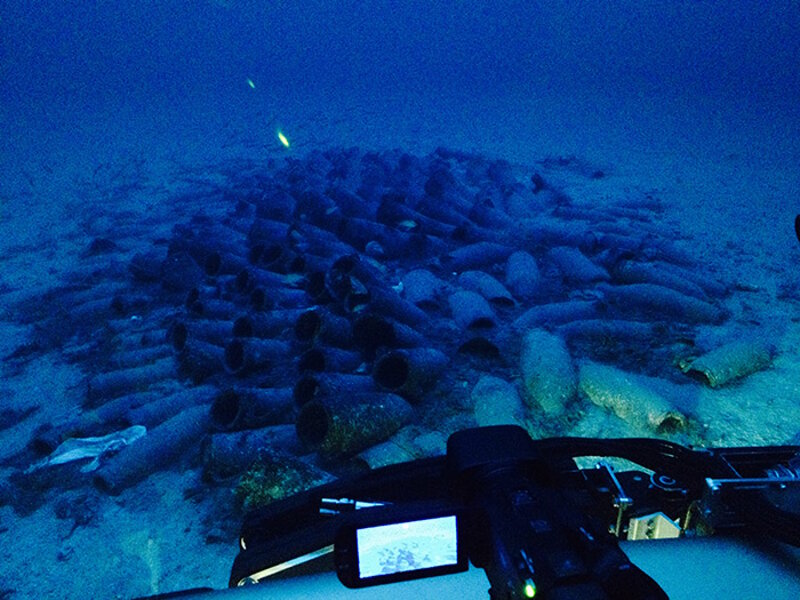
[
  {"x": 529, "y": 591},
  {"x": 250, "y": 83},
  {"x": 284, "y": 140}
]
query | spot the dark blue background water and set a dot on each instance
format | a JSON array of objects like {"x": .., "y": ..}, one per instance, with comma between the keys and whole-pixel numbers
[
  {"x": 95, "y": 52},
  {"x": 77, "y": 56}
]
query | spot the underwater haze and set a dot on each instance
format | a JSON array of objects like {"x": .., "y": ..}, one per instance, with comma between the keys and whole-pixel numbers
[
  {"x": 177, "y": 71},
  {"x": 250, "y": 247}
]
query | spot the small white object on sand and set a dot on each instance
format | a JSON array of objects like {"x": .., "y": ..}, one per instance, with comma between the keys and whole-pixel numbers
[{"x": 91, "y": 447}]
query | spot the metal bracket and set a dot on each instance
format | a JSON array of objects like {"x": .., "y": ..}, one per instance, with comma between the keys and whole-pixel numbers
[
  {"x": 656, "y": 526},
  {"x": 622, "y": 501},
  {"x": 712, "y": 504}
]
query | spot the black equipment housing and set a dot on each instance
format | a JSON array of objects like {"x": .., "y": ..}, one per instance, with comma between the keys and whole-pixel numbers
[{"x": 535, "y": 521}]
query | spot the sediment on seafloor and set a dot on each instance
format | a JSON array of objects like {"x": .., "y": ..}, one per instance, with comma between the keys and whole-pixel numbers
[{"x": 349, "y": 293}]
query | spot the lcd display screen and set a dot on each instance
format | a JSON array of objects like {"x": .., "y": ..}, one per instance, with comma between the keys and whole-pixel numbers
[{"x": 407, "y": 546}]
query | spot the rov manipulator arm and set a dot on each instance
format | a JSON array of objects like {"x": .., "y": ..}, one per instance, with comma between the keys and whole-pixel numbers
[
  {"x": 536, "y": 522},
  {"x": 528, "y": 534},
  {"x": 548, "y": 529}
]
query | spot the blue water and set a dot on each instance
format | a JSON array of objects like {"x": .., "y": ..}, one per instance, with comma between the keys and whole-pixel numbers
[
  {"x": 94, "y": 54},
  {"x": 108, "y": 107},
  {"x": 179, "y": 70}
]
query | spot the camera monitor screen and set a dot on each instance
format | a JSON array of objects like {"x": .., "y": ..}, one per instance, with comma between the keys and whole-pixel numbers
[{"x": 407, "y": 546}]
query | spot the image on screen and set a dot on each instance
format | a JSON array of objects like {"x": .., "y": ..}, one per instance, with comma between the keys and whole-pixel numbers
[{"x": 407, "y": 546}]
